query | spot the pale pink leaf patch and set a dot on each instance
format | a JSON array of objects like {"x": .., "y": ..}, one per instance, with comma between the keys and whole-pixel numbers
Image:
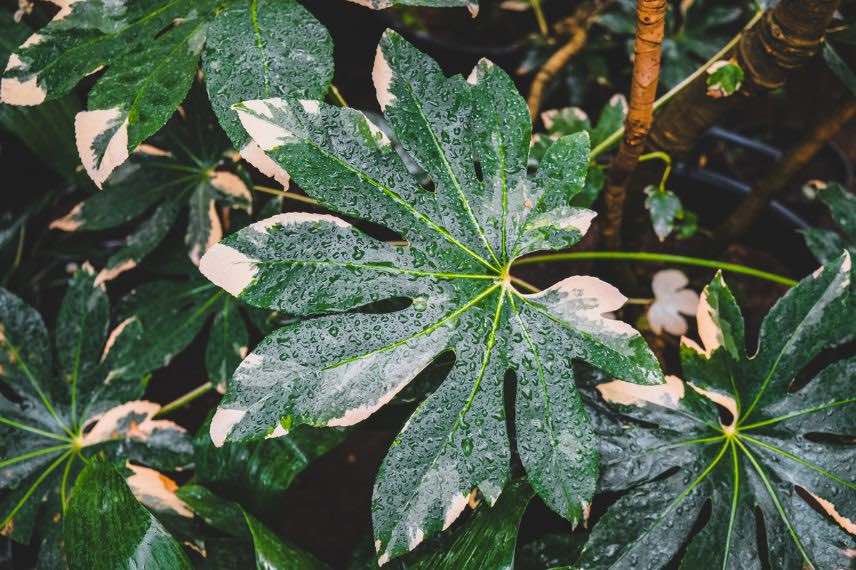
[
  {"x": 156, "y": 491},
  {"x": 91, "y": 127},
  {"x": 671, "y": 300}
]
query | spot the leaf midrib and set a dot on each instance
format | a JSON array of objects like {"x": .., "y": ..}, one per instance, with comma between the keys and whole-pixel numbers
[
  {"x": 395, "y": 197},
  {"x": 448, "y": 167},
  {"x": 376, "y": 267}
]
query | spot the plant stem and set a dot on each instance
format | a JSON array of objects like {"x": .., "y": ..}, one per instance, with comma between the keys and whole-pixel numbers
[
  {"x": 185, "y": 399},
  {"x": 658, "y": 258},
  {"x": 647, "y": 45},
  {"x": 525, "y": 284},
  {"x": 577, "y": 24},
  {"x": 539, "y": 17},
  {"x": 337, "y": 96},
  {"x": 659, "y": 155},
  {"x": 615, "y": 136},
  {"x": 790, "y": 165},
  {"x": 284, "y": 194},
  {"x": 786, "y": 37}
]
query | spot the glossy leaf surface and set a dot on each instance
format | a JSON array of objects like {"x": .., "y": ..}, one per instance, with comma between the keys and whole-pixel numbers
[
  {"x": 739, "y": 435},
  {"x": 84, "y": 402},
  {"x": 151, "y": 51},
  {"x": 107, "y": 528},
  {"x": 471, "y": 137}
]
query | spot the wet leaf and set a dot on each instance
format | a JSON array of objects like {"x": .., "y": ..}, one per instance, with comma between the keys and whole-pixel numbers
[
  {"x": 736, "y": 434},
  {"x": 63, "y": 412},
  {"x": 471, "y": 137},
  {"x": 570, "y": 120},
  {"x": 187, "y": 165},
  {"x": 151, "y": 52},
  {"x": 47, "y": 130},
  {"x": 665, "y": 208},
  {"x": 723, "y": 79},
  {"x": 827, "y": 244},
  {"x": 261, "y": 49},
  {"x": 106, "y": 528}
]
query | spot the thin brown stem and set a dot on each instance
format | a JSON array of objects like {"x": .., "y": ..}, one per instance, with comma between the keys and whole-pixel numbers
[
  {"x": 577, "y": 26},
  {"x": 794, "y": 161},
  {"x": 650, "y": 27}
]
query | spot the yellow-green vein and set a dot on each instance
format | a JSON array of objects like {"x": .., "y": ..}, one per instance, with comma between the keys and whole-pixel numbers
[{"x": 775, "y": 498}]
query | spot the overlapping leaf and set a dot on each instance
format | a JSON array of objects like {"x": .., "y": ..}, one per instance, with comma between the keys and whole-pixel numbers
[
  {"x": 771, "y": 459},
  {"x": 488, "y": 539},
  {"x": 471, "y": 137},
  {"x": 107, "y": 528},
  {"x": 187, "y": 166},
  {"x": 570, "y": 120},
  {"x": 64, "y": 411},
  {"x": 827, "y": 244},
  {"x": 151, "y": 51}
]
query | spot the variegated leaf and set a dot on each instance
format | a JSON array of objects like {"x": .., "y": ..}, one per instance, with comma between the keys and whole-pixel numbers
[
  {"x": 252, "y": 48},
  {"x": 86, "y": 404},
  {"x": 471, "y": 137},
  {"x": 187, "y": 164},
  {"x": 738, "y": 435},
  {"x": 107, "y": 528},
  {"x": 151, "y": 51}
]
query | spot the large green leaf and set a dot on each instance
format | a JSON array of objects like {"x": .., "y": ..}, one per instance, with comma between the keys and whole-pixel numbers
[
  {"x": 472, "y": 138},
  {"x": 261, "y": 49},
  {"x": 778, "y": 465},
  {"x": 106, "y": 528},
  {"x": 87, "y": 402},
  {"x": 828, "y": 244},
  {"x": 151, "y": 51}
]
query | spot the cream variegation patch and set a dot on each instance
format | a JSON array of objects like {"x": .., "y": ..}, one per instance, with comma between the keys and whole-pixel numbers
[
  {"x": 133, "y": 420},
  {"x": 90, "y": 126},
  {"x": 629, "y": 394},
  {"x": 254, "y": 154},
  {"x": 114, "y": 335},
  {"x": 223, "y": 423},
  {"x": 257, "y": 118},
  {"x": 671, "y": 300},
  {"x": 230, "y": 184},
  {"x": 110, "y": 273},
  {"x": 156, "y": 491},
  {"x": 215, "y": 234},
  {"x": 382, "y": 79},
  {"x": 585, "y": 301},
  {"x": 69, "y": 222}
]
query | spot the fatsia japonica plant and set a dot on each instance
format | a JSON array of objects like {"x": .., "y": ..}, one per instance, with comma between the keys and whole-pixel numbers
[
  {"x": 63, "y": 412},
  {"x": 483, "y": 212},
  {"x": 152, "y": 52},
  {"x": 765, "y": 451}
]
